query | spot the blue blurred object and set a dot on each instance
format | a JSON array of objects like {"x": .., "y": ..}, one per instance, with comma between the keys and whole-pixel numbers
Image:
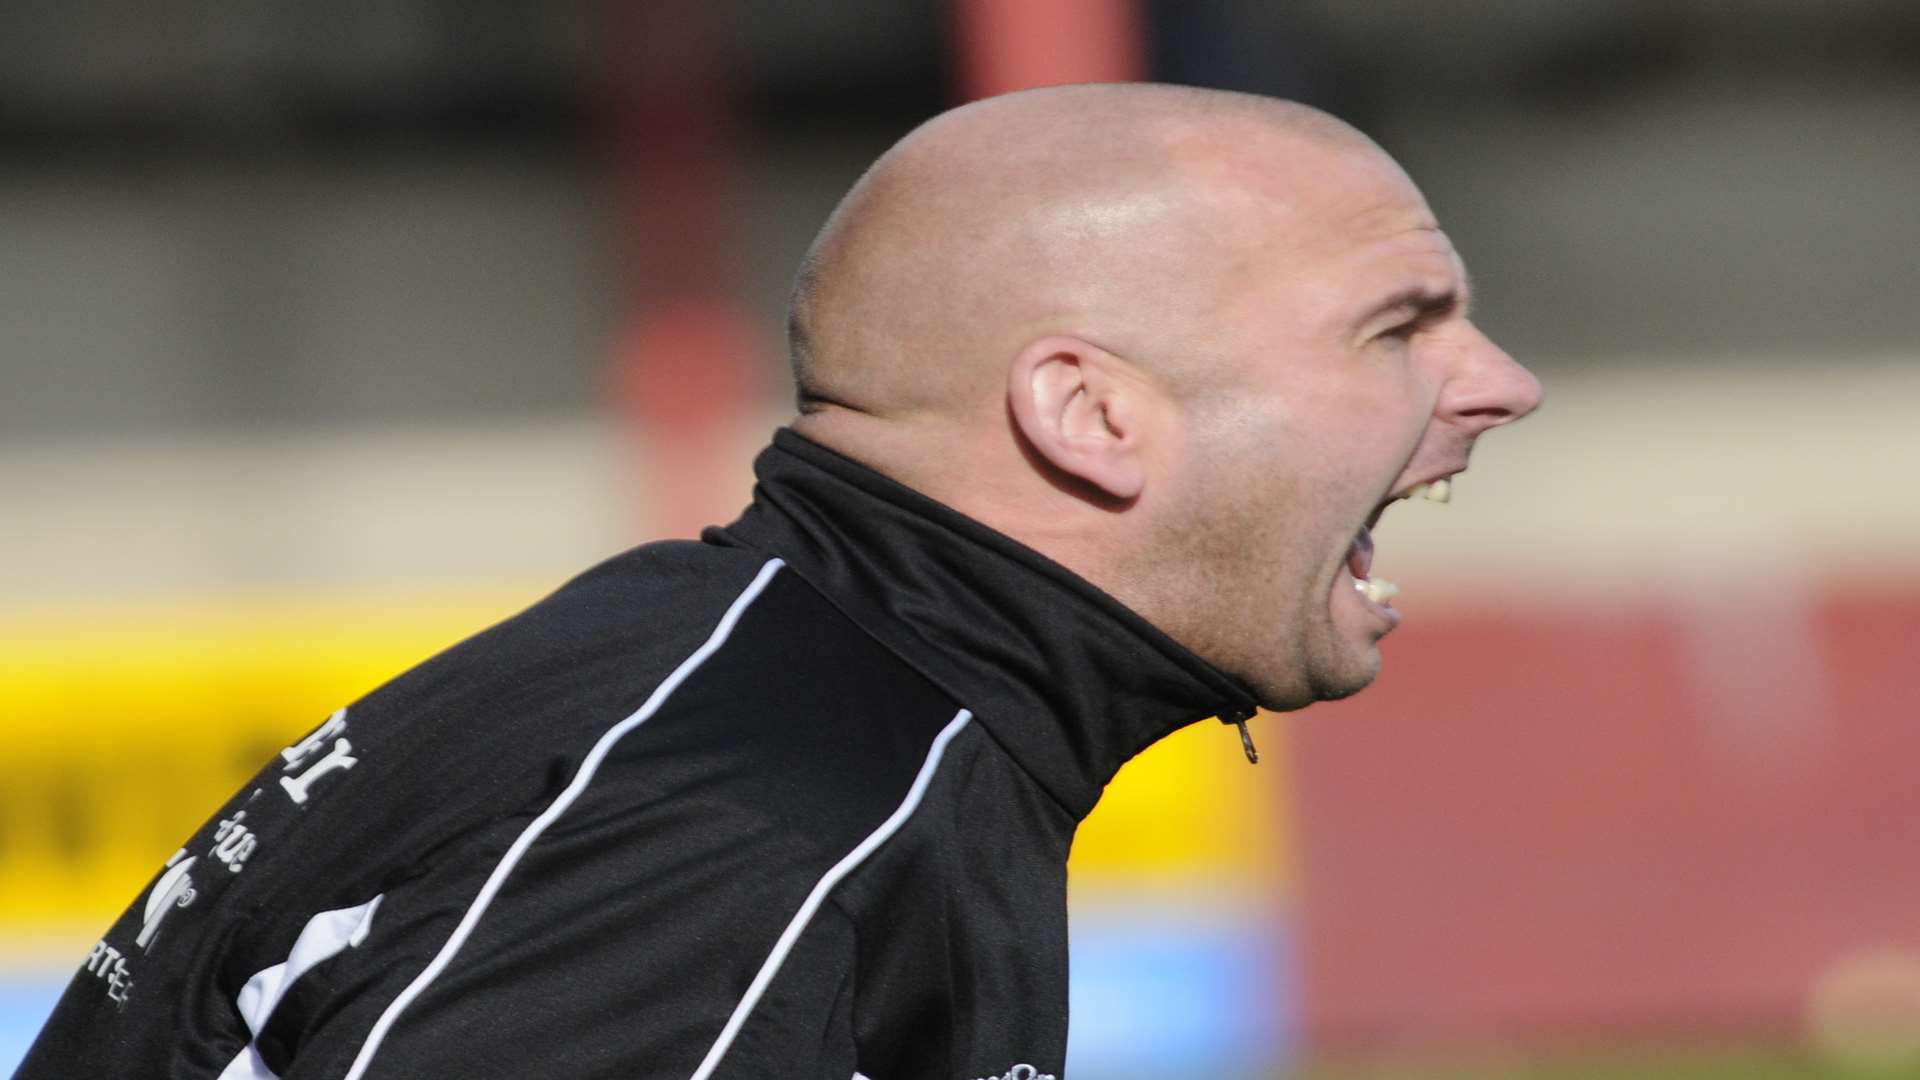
[
  {"x": 1157, "y": 990},
  {"x": 1172, "y": 989},
  {"x": 26, "y": 998}
]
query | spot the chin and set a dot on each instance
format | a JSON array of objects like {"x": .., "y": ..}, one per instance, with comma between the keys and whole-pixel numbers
[
  {"x": 1327, "y": 680},
  {"x": 1355, "y": 673},
  {"x": 1340, "y": 690}
]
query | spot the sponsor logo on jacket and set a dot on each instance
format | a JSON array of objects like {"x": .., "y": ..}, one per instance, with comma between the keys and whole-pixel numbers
[{"x": 1020, "y": 1072}]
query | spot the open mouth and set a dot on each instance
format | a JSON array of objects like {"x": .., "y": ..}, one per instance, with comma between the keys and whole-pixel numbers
[{"x": 1379, "y": 591}]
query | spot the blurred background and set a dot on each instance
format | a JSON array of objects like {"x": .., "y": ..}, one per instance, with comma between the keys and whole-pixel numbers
[{"x": 331, "y": 334}]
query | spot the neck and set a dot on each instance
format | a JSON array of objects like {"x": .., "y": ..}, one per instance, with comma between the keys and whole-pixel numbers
[
  {"x": 1006, "y": 631},
  {"x": 987, "y": 472}
]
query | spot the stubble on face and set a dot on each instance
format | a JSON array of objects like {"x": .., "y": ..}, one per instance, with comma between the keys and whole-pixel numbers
[{"x": 1250, "y": 584}]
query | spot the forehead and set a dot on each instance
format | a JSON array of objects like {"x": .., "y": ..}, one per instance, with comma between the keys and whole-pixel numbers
[
  {"x": 1354, "y": 201},
  {"x": 1338, "y": 227},
  {"x": 1389, "y": 257}
]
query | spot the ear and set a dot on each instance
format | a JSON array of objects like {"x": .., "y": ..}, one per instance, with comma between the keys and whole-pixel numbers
[{"x": 1084, "y": 410}]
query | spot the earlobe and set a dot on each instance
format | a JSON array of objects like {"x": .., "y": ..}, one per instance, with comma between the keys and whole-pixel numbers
[{"x": 1070, "y": 400}]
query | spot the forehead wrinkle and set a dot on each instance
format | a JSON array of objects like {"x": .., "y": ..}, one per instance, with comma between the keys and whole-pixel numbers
[
  {"x": 1413, "y": 251},
  {"x": 1461, "y": 285}
]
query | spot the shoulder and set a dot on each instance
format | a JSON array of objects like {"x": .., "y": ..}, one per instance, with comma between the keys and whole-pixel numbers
[
  {"x": 613, "y": 630},
  {"x": 674, "y": 662}
]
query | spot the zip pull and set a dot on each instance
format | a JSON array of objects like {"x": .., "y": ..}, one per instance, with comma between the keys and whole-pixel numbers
[{"x": 1239, "y": 719}]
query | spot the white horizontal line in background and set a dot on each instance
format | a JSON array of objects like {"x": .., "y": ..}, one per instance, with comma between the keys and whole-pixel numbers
[{"x": 1641, "y": 473}]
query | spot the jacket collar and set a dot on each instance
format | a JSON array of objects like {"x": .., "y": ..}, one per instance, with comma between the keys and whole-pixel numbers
[{"x": 1068, "y": 679}]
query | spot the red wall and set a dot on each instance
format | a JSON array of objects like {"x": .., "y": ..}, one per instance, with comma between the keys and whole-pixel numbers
[{"x": 1659, "y": 820}]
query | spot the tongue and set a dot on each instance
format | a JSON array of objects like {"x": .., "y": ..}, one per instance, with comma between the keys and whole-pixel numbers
[{"x": 1360, "y": 555}]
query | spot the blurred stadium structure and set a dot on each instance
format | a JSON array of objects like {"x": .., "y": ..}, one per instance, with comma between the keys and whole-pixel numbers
[{"x": 329, "y": 334}]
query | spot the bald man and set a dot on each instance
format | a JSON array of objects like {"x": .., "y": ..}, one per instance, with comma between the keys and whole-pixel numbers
[{"x": 1101, "y": 390}]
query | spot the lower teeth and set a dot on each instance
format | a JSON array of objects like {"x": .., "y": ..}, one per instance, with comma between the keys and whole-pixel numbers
[{"x": 1378, "y": 590}]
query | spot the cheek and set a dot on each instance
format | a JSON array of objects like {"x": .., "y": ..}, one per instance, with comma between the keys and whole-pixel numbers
[
  {"x": 1299, "y": 462},
  {"x": 1375, "y": 420},
  {"x": 1228, "y": 444}
]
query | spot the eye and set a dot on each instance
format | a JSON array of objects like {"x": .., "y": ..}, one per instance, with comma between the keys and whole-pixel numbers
[{"x": 1402, "y": 333}]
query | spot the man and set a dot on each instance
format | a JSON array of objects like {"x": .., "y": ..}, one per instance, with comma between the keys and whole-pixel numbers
[{"x": 1101, "y": 390}]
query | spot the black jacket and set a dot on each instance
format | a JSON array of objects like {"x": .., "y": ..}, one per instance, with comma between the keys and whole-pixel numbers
[{"x": 793, "y": 801}]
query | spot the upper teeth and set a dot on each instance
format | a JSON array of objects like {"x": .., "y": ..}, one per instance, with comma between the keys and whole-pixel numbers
[{"x": 1438, "y": 491}]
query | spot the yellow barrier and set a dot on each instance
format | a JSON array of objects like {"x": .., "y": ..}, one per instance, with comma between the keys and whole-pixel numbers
[
  {"x": 125, "y": 726},
  {"x": 1191, "y": 811},
  {"x": 122, "y": 727}
]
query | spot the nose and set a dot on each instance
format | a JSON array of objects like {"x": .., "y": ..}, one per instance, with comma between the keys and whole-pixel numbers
[{"x": 1487, "y": 388}]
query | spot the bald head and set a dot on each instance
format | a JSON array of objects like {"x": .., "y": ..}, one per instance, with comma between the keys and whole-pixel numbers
[
  {"x": 1186, "y": 343},
  {"x": 1109, "y": 211}
]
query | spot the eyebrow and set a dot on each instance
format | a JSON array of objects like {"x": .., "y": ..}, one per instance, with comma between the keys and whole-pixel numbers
[{"x": 1423, "y": 301}]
